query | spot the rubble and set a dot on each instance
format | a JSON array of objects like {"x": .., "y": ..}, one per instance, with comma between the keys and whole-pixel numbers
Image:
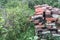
[{"x": 46, "y": 17}]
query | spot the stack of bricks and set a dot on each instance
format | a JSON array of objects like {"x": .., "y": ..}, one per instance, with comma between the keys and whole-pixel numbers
[{"x": 45, "y": 19}]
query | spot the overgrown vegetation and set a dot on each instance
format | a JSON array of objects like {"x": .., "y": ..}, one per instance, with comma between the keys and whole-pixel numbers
[{"x": 14, "y": 18}]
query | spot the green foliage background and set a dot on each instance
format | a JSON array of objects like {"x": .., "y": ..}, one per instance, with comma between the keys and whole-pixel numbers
[{"x": 14, "y": 18}]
